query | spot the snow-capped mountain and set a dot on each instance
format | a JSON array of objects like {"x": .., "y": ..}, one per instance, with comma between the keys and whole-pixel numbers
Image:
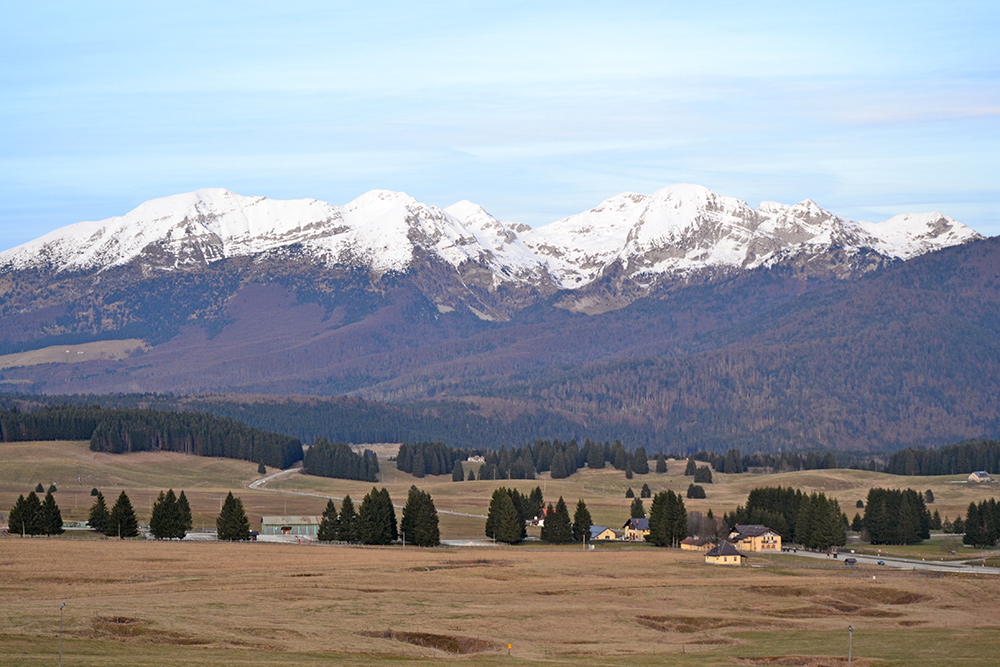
[
  {"x": 673, "y": 232},
  {"x": 687, "y": 228}
]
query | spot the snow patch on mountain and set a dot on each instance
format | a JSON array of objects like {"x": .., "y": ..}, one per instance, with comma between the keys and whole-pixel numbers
[{"x": 673, "y": 231}]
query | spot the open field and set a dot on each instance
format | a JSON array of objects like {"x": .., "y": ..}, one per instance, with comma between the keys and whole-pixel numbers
[
  {"x": 75, "y": 470},
  {"x": 140, "y": 602},
  {"x": 111, "y": 350},
  {"x": 137, "y": 602}
]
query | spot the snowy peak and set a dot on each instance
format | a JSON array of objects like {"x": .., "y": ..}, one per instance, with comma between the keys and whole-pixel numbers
[{"x": 673, "y": 232}]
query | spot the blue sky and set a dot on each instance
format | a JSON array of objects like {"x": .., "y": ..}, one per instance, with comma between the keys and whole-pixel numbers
[{"x": 535, "y": 110}]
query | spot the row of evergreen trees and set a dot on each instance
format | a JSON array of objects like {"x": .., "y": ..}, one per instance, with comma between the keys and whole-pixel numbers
[
  {"x": 558, "y": 529},
  {"x": 701, "y": 474},
  {"x": 734, "y": 462},
  {"x": 375, "y": 522},
  {"x": 119, "y": 522},
  {"x": 894, "y": 516},
  {"x": 509, "y": 512},
  {"x": 961, "y": 458},
  {"x": 124, "y": 431},
  {"x": 171, "y": 516},
  {"x": 121, "y": 431},
  {"x": 336, "y": 459},
  {"x": 430, "y": 458},
  {"x": 982, "y": 524},
  {"x": 31, "y": 516}
]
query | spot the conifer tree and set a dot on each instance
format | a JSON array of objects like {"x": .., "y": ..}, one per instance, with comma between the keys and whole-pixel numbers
[
  {"x": 94, "y": 491},
  {"x": 98, "y": 518},
  {"x": 163, "y": 517},
  {"x": 691, "y": 467},
  {"x": 472, "y": 476},
  {"x": 261, "y": 469},
  {"x": 121, "y": 520},
  {"x": 328, "y": 524},
  {"x": 420, "y": 519},
  {"x": 503, "y": 521},
  {"x": 703, "y": 475},
  {"x": 23, "y": 518},
  {"x": 558, "y": 528},
  {"x": 646, "y": 492},
  {"x": 695, "y": 491},
  {"x": 534, "y": 504},
  {"x": 347, "y": 523},
  {"x": 458, "y": 472},
  {"x": 185, "y": 521},
  {"x": 640, "y": 461},
  {"x": 661, "y": 463},
  {"x": 31, "y": 518},
  {"x": 856, "y": 524},
  {"x": 232, "y": 523},
  {"x": 377, "y": 518},
  {"x": 581, "y": 522},
  {"x": 637, "y": 511},
  {"x": 629, "y": 493}
]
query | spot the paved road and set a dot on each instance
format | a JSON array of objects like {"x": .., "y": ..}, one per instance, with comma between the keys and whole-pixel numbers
[
  {"x": 260, "y": 485},
  {"x": 904, "y": 563}
]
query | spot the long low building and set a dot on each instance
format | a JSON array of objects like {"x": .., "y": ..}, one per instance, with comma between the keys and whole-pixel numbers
[{"x": 294, "y": 526}]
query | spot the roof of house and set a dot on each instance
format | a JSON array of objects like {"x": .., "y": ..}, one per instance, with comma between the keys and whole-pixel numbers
[
  {"x": 981, "y": 473},
  {"x": 291, "y": 520},
  {"x": 745, "y": 530},
  {"x": 697, "y": 541},
  {"x": 723, "y": 548},
  {"x": 597, "y": 530},
  {"x": 637, "y": 524}
]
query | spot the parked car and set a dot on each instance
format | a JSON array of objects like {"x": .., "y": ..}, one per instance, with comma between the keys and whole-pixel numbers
[{"x": 881, "y": 562}]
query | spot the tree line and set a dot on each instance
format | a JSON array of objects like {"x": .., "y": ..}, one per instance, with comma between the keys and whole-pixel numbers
[
  {"x": 336, "y": 459},
  {"x": 430, "y": 458},
  {"x": 734, "y": 462},
  {"x": 960, "y": 458},
  {"x": 119, "y": 431}
]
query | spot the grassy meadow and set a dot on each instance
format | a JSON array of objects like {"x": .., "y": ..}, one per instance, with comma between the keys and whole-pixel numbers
[{"x": 143, "y": 602}]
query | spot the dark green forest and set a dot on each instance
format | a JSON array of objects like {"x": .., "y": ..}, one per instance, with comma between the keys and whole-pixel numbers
[{"x": 120, "y": 431}]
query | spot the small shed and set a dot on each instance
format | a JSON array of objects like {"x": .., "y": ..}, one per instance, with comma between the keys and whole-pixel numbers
[
  {"x": 980, "y": 476},
  {"x": 295, "y": 526},
  {"x": 724, "y": 553}
]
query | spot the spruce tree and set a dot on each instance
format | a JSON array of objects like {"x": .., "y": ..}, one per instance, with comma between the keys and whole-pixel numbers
[
  {"x": 31, "y": 517},
  {"x": 629, "y": 493},
  {"x": 184, "y": 520},
  {"x": 420, "y": 519},
  {"x": 328, "y": 524},
  {"x": 581, "y": 522},
  {"x": 637, "y": 511},
  {"x": 261, "y": 469},
  {"x": 646, "y": 492},
  {"x": 703, "y": 475},
  {"x": 503, "y": 521},
  {"x": 377, "y": 518},
  {"x": 640, "y": 461},
  {"x": 18, "y": 520},
  {"x": 559, "y": 525},
  {"x": 535, "y": 503},
  {"x": 856, "y": 524},
  {"x": 691, "y": 467},
  {"x": 98, "y": 518},
  {"x": 472, "y": 476},
  {"x": 458, "y": 472},
  {"x": 161, "y": 518},
  {"x": 232, "y": 523},
  {"x": 94, "y": 491},
  {"x": 121, "y": 520},
  {"x": 661, "y": 463},
  {"x": 347, "y": 523}
]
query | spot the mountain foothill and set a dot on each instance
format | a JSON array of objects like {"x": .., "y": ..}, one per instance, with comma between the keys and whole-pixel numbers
[{"x": 683, "y": 319}]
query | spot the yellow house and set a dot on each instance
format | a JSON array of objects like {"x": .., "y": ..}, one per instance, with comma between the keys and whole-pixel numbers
[
  {"x": 724, "y": 553},
  {"x": 602, "y": 534},
  {"x": 636, "y": 530},
  {"x": 755, "y": 537}
]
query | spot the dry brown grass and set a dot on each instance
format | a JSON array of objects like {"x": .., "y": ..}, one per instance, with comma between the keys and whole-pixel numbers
[{"x": 126, "y": 600}]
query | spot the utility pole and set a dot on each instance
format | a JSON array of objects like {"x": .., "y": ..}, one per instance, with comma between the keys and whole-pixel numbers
[{"x": 850, "y": 636}]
